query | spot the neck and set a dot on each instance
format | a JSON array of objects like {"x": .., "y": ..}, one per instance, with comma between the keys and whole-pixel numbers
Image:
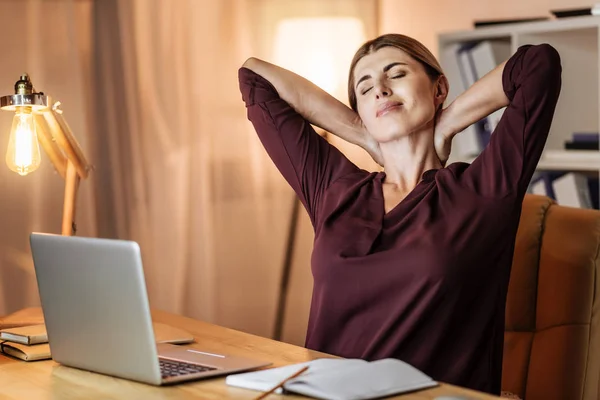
[{"x": 406, "y": 159}]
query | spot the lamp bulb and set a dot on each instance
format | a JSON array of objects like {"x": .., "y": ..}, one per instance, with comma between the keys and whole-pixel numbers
[{"x": 23, "y": 154}]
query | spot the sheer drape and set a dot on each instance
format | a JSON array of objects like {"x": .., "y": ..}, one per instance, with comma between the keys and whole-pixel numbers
[
  {"x": 185, "y": 174},
  {"x": 150, "y": 89},
  {"x": 50, "y": 40},
  {"x": 182, "y": 173}
]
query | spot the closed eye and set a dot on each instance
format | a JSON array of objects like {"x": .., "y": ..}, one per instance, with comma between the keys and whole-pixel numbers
[{"x": 397, "y": 76}]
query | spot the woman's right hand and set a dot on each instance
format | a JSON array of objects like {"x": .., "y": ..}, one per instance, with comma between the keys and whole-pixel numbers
[
  {"x": 374, "y": 150},
  {"x": 317, "y": 106},
  {"x": 367, "y": 142}
]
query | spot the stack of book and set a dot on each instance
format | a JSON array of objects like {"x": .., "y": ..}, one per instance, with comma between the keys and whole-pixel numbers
[
  {"x": 30, "y": 343},
  {"x": 571, "y": 188}
]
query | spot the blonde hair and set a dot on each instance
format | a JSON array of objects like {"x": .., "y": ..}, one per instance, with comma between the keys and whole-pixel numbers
[{"x": 410, "y": 46}]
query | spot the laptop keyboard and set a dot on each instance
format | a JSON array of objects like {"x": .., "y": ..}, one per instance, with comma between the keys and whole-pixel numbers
[{"x": 170, "y": 368}]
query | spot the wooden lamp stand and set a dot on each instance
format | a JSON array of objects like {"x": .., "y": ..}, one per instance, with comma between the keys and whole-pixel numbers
[{"x": 57, "y": 140}]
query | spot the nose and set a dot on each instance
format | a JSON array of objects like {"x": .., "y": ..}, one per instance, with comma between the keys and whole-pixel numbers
[{"x": 382, "y": 90}]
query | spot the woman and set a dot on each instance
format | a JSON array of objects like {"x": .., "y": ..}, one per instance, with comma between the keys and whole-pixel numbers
[{"x": 412, "y": 262}]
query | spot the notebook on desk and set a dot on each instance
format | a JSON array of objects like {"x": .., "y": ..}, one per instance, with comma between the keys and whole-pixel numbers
[
  {"x": 29, "y": 335},
  {"x": 343, "y": 379}
]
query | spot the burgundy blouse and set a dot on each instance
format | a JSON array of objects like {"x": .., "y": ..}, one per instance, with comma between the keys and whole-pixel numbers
[{"x": 426, "y": 282}]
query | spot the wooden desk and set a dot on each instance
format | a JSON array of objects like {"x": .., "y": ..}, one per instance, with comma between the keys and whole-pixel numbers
[{"x": 48, "y": 380}]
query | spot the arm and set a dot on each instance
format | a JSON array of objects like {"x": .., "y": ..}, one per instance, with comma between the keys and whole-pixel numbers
[
  {"x": 316, "y": 106},
  {"x": 306, "y": 160},
  {"x": 483, "y": 98},
  {"x": 529, "y": 85}
]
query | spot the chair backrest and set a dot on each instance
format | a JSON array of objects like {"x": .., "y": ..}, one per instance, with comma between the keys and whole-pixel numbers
[{"x": 552, "y": 334}]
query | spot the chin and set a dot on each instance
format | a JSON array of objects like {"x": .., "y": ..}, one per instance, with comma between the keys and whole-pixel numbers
[
  {"x": 384, "y": 138},
  {"x": 393, "y": 130},
  {"x": 392, "y": 133}
]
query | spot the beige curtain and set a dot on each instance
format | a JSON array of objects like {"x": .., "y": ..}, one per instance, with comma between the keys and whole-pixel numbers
[
  {"x": 182, "y": 171},
  {"x": 51, "y": 41},
  {"x": 150, "y": 89}
]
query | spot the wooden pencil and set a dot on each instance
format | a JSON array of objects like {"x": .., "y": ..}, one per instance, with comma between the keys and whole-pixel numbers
[{"x": 280, "y": 384}]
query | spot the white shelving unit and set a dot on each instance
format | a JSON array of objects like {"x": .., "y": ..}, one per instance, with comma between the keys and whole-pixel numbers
[
  {"x": 578, "y": 42},
  {"x": 569, "y": 160}
]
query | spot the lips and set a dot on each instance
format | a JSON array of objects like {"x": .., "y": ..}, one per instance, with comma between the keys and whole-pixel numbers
[{"x": 388, "y": 106}]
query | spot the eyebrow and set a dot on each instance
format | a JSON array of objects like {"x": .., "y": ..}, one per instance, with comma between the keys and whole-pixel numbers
[{"x": 385, "y": 69}]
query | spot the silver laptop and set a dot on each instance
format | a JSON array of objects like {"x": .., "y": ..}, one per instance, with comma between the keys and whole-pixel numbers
[{"x": 96, "y": 311}]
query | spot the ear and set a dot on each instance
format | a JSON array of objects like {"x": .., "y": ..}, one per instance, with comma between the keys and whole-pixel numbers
[{"x": 441, "y": 91}]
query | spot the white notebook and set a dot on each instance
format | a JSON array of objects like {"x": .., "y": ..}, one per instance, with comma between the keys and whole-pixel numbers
[{"x": 343, "y": 379}]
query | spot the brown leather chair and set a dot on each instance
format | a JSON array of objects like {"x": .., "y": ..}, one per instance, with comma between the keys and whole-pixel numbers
[{"x": 552, "y": 337}]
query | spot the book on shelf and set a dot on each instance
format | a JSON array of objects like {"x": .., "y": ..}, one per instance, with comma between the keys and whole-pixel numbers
[
  {"x": 577, "y": 12},
  {"x": 541, "y": 183},
  {"x": 338, "y": 379},
  {"x": 486, "y": 56},
  {"x": 495, "y": 22},
  {"x": 469, "y": 75},
  {"x": 583, "y": 141},
  {"x": 464, "y": 64},
  {"x": 467, "y": 143},
  {"x": 567, "y": 188},
  {"x": 573, "y": 145},
  {"x": 585, "y": 136},
  {"x": 572, "y": 190}
]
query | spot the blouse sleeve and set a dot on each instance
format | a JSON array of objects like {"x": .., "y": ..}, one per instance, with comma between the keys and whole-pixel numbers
[
  {"x": 531, "y": 80},
  {"x": 306, "y": 160}
]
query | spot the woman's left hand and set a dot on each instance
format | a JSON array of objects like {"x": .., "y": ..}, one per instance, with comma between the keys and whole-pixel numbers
[{"x": 442, "y": 135}]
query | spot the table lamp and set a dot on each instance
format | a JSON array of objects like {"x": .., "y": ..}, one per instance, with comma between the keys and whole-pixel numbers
[{"x": 38, "y": 119}]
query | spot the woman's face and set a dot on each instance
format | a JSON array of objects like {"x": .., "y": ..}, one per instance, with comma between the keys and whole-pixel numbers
[{"x": 395, "y": 96}]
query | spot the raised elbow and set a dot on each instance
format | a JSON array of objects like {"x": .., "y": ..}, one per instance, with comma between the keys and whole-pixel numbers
[
  {"x": 549, "y": 61},
  {"x": 250, "y": 62}
]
